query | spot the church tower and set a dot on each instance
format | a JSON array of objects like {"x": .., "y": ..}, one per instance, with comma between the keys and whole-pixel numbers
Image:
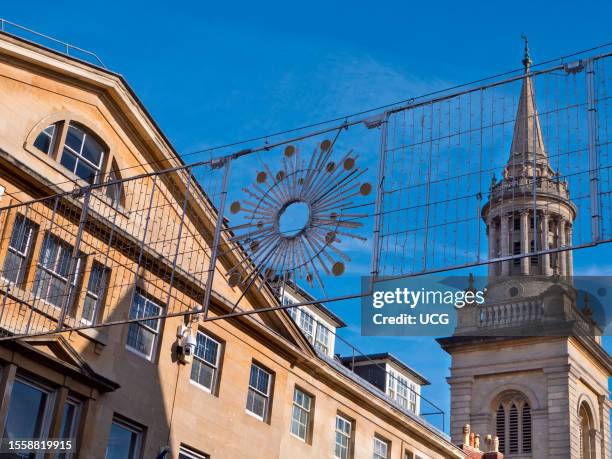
[{"x": 528, "y": 365}]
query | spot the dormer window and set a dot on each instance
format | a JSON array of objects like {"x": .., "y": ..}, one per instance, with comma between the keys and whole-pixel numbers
[{"x": 82, "y": 154}]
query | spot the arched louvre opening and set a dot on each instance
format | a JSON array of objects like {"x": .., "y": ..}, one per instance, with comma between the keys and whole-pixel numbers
[
  {"x": 526, "y": 428},
  {"x": 501, "y": 427},
  {"x": 513, "y": 422},
  {"x": 513, "y": 425}
]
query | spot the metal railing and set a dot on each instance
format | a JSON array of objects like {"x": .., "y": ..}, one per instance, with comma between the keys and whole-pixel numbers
[{"x": 26, "y": 33}]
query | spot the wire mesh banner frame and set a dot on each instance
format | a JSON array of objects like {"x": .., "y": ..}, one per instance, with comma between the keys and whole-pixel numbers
[
  {"x": 452, "y": 165},
  {"x": 162, "y": 243}
]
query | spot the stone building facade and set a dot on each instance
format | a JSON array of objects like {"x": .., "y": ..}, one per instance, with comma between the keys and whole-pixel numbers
[{"x": 257, "y": 387}]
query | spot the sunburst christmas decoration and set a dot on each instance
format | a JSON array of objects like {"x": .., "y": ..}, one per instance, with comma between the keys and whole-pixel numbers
[{"x": 296, "y": 219}]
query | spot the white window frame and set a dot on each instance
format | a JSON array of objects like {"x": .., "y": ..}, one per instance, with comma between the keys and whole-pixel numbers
[
  {"x": 398, "y": 388},
  {"x": 155, "y": 331},
  {"x": 24, "y": 255},
  {"x": 309, "y": 328},
  {"x": 320, "y": 332},
  {"x": 346, "y": 435},
  {"x": 79, "y": 154},
  {"x": 298, "y": 408},
  {"x": 267, "y": 396},
  {"x": 377, "y": 452},
  {"x": 214, "y": 366}
]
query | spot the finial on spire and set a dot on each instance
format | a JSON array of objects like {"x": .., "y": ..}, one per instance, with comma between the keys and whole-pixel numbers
[{"x": 526, "y": 58}]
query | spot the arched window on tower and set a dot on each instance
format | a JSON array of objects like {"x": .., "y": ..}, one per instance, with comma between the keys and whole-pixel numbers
[
  {"x": 513, "y": 425},
  {"x": 586, "y": 428}
]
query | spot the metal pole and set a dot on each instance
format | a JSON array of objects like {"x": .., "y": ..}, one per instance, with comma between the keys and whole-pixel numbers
[
  {"x": 178, "y": 238},
  {"x": 376, "y": 242},
  {"x": 593, "y": 151},
  {"x": 226, "y": 163},
  {"x": 142, "y": 241},
  {"x": 73, "y": 260}
]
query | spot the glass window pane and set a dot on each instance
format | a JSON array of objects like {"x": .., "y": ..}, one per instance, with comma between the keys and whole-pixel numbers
[
  {"x": 122, "y": 443},
  {"x": 68, "y": 160},
  {"x": 92, "y": 151},
  {"x": 44, "y": 140},
  {"x": 74, "y": 138},
  {"x": 202, "y": 374},
  {"x": 26, "y": 413},
  {"x": 211, "y": 352},
  {"x": 86, "y": 172}
]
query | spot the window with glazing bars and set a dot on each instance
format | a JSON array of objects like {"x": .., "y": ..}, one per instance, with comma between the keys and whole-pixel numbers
[
  {"x": 300, "y": 415},
  {"x": 258, "y": 398},
  {"x": 344, "y": 431},
  {"x": 96, "y": 287},
  {"x": 82, "y": 154},
  {"x": 19, "y": 249},
  {"x": 142, "y": 335},
  {"x": 205, "y": 366},
  {"x": 52, "y": 272}
]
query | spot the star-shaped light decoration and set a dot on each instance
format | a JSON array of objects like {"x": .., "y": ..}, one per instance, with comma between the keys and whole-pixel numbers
[{"x": 296, "y": 219}]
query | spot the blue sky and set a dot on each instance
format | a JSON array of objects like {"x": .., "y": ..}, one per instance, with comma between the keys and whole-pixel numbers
[{"x": 212, "y": 73}]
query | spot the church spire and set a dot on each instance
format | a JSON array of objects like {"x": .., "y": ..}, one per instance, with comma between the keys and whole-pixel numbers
[
  {"x": 526, "y": 58},
  {"x": 527, "y": 139}
]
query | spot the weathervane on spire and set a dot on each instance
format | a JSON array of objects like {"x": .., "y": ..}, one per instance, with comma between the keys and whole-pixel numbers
[{"x": 526, "y": 58}]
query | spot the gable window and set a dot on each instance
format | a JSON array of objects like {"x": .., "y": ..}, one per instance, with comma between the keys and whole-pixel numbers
[
  {"x": 258, "y": 399},
  {"x": 381, "y": 449},
  {"x": 82, "y": 154},
  {"x": 300, "y": 415},
  {"x": 142, "y": 336},
  {"x": 45, "y": 141},
  {"x": 124, "y": 441},
  {"x": 205, "y": 366},
  {"x": 52, "y": 272},
  {"x": 96, "y": 287},
  {"x": 19, "y": 249},
  {"x": 513, "y": 425},
  {"x": 344, "y": 432}
]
